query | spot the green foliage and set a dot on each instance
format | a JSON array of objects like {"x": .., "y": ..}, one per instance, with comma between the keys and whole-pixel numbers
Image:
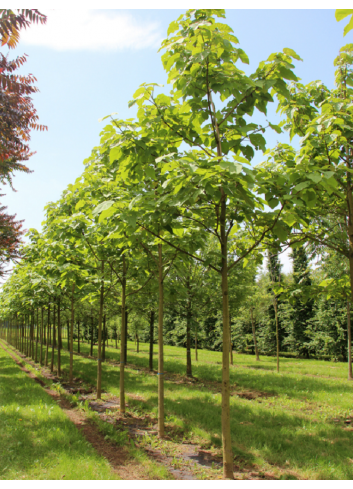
[{"x": 342, "y": 14}]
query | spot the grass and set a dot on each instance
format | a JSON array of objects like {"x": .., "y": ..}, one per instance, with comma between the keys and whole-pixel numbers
[
  {"x": 295, "y": 429},
  {"x": 298, "y": 430},
  {"x": 38, "y": 441}
]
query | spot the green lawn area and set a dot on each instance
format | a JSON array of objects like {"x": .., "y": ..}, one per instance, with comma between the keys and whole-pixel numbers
[
  {"x": 38, "y": 441},
  {"x": 297, "y": 429}
]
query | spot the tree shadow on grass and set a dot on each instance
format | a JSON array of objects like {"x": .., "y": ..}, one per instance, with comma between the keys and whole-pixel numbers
[
  {"x": 37, "y": 440},
  {"x": 281, "y": 438},
  {"x": 294, "y": 386}
]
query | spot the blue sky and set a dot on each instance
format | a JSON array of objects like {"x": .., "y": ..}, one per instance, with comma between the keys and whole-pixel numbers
[{"x": 89, "y": 63}]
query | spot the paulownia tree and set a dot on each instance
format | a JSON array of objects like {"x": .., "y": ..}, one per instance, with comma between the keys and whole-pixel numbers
[{"x": 206, "y": 188}]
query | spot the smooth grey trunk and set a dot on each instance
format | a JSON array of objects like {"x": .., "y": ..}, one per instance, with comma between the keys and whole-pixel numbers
[
  {"x": 99, "y": 354},
  {"x": 78, "y": 337},
  {"x": 126, "y": 321},
  {"x": 122, "y": 340},
  {"x": 47, "y": 339},
  {"x": 226, "y": 437},
  {"x": 91, "y": 351},
  {"x": 230, "y": 341},
  {"x": 72, "y": 334},
  {"x": 151, "y": 341},
  {"x": 196, "y": 354},
  {"x": 53, "y": 341},
  {"x": 254, "y": 334},
  {"x": 41, "y": 337},
  {"x": 350, "y": 377},
  {"x": 188, "y": 340},
  {"x": 59, "y": 340},
  {"x": 277, "y": 329},
  {"x": 160, "y": 373},
  {"x": 104, "y": 337},
  {"x": 37, "y": 335}
]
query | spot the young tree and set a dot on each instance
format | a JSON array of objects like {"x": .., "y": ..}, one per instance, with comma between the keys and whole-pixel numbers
[
  {"x": 208, "y": 188},
  {"x": 303, "y": 310}
]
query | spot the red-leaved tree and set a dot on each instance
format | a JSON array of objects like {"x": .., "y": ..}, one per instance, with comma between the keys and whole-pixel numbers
[{"x": 18, "y": 117}]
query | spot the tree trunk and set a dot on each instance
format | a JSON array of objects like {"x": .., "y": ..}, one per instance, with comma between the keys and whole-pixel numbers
[
  {"x": 47, "y": 338},
  {"x": 68, "y": 334},
  {"x": 41, "y": 338},
  {"x": 188, "y": 345},
  {"x": 196, "y": 355},
  {"x": 72, "y": 335},
  {"x": 350, "y": 377},
  {"x": 254, "y": 334},
  {"x": 28, "y": 346},
  {"x": 230, "y": 341},
  {"x": 104, "y": 337},
  {"x": 160, "y": 347},
  {"x": 53, "y": 342},
  {"x": 138, "y": 343},
  {"x": 37, "y": 337},
  {"x": 126, "y": 320},
  {"x": 99, "y": 354},
  {"x": 226, "y": 438},
  {"x": 78, "y": 337},
  {"x": 277, "y": 330},
  {"x": 32, "y": 335},
  {"x": 151, "y": 341},
  {"x": 59, "y": 340},
  {"x": 122, "y": 340},
  {"x": 91, "y": 352}
]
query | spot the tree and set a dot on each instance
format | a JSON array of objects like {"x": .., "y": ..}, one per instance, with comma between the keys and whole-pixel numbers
[
  {"x": 303, "y": 309},
  {"x": 11, "y": 233},
  {"x": 274, "y": 268},
  {"x": 208, "y": 188},
  {"x": 17, "y": 118},
  {"x": 17, "y": 113},
  {"x": 322, "y": 171}
]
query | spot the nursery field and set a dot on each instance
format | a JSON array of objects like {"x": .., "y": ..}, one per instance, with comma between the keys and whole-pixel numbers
[
  {"x": 296, "y": 424},
  {"x": 38, "y": 441}
]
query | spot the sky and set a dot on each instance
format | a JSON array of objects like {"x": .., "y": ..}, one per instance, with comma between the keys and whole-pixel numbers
[{"x": 88, "y": 64}]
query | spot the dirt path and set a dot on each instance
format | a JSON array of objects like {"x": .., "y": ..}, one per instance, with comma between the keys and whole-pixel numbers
[
  {"x": 184, "y": 460},
  {"x": 118, "y": 458}
]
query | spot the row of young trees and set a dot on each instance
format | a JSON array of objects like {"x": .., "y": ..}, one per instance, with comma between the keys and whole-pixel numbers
[{"x": 171, "y": 198}]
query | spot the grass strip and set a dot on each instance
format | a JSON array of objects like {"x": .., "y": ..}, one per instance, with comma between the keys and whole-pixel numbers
[{"x": 38, "y": 441}]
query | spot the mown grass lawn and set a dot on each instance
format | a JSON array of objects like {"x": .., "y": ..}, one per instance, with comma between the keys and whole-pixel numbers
[
  {"x": 296, "y": 426},
  {"x": 38, "y": 441}
]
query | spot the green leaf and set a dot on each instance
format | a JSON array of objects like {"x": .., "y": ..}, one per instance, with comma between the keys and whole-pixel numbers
[
  {"x": 292, "y": 53},
  {"x": 168, "y": 228},
  {"x": 150, "y": 173},
  {"x": 173, "y": 26},
  {"x": 315, "y": 177},
  {"x": 231, "y": 166},
  {"x": 102, "y": 207},
  {"x": 287, "y": 74},
  {"x": 273, "y": 203},
  {"x": 161, "y": 158},
  {"x": 348, "y": 27},
  {"x": 275, "y": 128},
  {"x": 258, "y": 141},
  {"x": 342, "y": 13},
  {"x": 301, "y": 186},
  {"x": 114, "y": 154},
  {"x": 80, "y": 203}
]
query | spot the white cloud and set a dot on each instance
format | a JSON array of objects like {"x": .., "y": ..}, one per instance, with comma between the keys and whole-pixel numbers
[{"x": 92, "y": 30}]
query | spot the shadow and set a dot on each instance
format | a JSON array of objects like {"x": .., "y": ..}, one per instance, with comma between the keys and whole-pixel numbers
[
  {"x": 277, "y": 435},
  {"x": 38, "y": 441}
]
